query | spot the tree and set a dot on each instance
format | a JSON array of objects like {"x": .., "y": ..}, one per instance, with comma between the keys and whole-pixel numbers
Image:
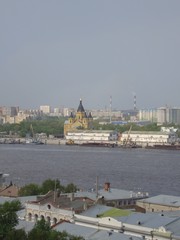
[
  {"x": 29, "y": 190},
  {"x": 50, "y": 184},
  {"x": 43, "y": 231},
  {"x": 16, "y": 234},
  {"x": 8, "y": 217},
  {"x": 70, "y": 188},
  {"x": 40, "y": 231}
]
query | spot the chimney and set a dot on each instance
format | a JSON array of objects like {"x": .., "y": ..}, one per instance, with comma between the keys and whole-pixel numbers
[{"x": 107, "y": 186}]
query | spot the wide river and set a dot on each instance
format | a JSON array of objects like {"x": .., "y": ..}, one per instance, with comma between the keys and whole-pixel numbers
[{"x": 154, "y": 171}]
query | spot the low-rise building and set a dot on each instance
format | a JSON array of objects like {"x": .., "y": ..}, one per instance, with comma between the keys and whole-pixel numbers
[
  {"x": 147, "y": 138},
  {"x": 54, "y": 207},
  {"x": 118, "y": 198},
  {"x": 92, "y": 222},
  {"x": 92, "y": 136},
  {"x": 160, "y": 203},
  {"x": 9, "y": 191}
]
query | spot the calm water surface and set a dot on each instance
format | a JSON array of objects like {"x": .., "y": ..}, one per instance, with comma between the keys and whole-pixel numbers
[{"x": 155, "y": 171}]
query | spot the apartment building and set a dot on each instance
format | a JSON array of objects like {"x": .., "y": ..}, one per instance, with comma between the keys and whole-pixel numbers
[{"x": 46, "y": 109}]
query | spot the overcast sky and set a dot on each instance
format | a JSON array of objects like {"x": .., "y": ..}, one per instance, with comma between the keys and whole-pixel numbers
[{"x": 54, "y": 52}]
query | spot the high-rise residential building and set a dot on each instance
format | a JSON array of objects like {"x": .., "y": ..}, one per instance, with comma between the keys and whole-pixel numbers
[
  {"x": 168, "y": 115},
  {"x": 148, "y": 115},
  {"x": 67, "y": 111},
  {"x": 56, "y": 110},
  {"x": 175, "y": 115},
  {"x": 46, "y": 109},
  {"x": 9, "y": 111}
]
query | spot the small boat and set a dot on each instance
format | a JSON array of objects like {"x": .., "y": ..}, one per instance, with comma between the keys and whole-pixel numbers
[{"x": 33, "y": 141}]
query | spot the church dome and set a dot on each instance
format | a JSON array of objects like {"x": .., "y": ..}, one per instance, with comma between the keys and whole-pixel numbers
[{"x": 80, "y": 108}]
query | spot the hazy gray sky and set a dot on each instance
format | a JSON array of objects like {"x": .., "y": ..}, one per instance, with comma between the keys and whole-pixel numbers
[{"x": 55, "y": 52}]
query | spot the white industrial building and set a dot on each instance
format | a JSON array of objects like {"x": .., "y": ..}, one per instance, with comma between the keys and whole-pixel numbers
[
  {"x": 92, "y": 136},
  {"x": 147, "y": 138}
]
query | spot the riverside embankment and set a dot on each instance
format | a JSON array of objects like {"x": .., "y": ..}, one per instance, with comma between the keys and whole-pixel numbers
[{"x": 10, "y": 140}]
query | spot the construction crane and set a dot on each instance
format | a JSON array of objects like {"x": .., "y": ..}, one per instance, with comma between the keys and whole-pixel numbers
[
  {"x": 32, "y": 131},
  {"x": 128, "y": 136}
]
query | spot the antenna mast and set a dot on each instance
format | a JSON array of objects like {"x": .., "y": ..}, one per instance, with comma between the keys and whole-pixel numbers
[
  {"x": 135, "y": 102},
  {"x": 110, "y": 105}
]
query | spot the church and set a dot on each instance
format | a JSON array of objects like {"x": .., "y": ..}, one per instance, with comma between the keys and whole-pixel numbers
[{"x": 79, "y": 121}]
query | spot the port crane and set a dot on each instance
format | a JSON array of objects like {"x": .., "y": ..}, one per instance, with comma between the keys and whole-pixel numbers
[{"x": 127, "y": 141}]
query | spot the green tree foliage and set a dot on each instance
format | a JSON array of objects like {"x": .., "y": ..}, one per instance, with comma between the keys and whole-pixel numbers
[
  {"x": 126, "y": 127},
  {"x": 42, "y": 231},
  {"x": 29, "y": 190},
  {"x": 16, "y": 234},
  {"x": 55, "y": 126},
  {"x": 50, "y": 184},
  {"x": 8, "y": 217},
  {"x": 70, "y": 188},
  {"x": 47, "y": 185},
  {"x": 48, "y": 125}
]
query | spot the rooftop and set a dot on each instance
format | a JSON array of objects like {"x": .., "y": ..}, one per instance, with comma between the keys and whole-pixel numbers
[
  {"x": 147, "y": 132},
  {"x": 166, "y": 200},
  {"x": 80, "y": 108}
]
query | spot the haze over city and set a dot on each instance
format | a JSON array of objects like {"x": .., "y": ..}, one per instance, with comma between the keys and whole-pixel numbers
[{"x": 55, "y": 52}]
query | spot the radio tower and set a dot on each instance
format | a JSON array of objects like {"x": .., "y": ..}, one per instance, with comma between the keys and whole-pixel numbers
[
  {"x": 110, "y": 104},
  {"x": 135, "y": 102}
]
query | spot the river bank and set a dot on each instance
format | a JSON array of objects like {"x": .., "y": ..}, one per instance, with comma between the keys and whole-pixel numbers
[{"x": 54, "y": 141}]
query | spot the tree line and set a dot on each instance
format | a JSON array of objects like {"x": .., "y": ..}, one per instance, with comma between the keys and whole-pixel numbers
[
  {"x": 55, "y": 126},
  {"x": 49, "y": 125},
  {"x": 33, "y": 189}
]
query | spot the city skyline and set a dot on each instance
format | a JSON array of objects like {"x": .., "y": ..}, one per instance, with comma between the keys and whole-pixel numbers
[{"x": 56, "y": 52}]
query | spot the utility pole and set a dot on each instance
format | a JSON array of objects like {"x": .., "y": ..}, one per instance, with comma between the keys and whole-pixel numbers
[
  {"x": 97, "y": 188},
  {"x": 55, "y": 191}
]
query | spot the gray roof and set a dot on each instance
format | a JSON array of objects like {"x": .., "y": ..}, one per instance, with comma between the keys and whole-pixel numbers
[
  {"x": 166, "y": 200},
  {"x": 174, "y": 227},
  {"x": 23, "y": 200},
  {"x": 151, "y": 220},
  {"x": 148, "y": 132},
  {"x": 6, "y": 199},
  {"x": 112, "y": 194},
  {"x": 91, "y": 233},
  {"x": 27, "y": 226},
  {"x": 75, "y": 229},
  {"x": 21, "y": 214},
  {"x": 96, "y": 209}
]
